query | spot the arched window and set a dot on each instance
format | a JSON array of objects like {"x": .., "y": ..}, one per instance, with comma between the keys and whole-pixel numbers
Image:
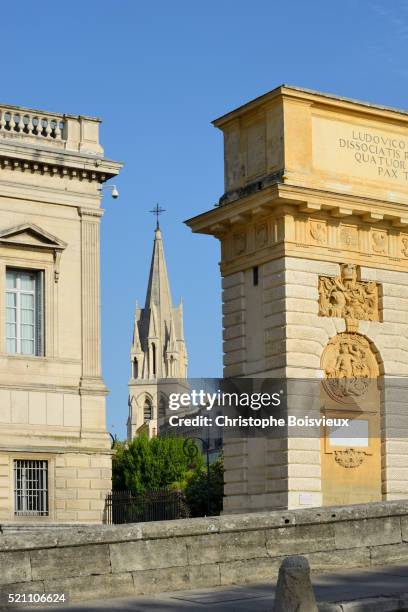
[
  {"x": 147, "y": 410},
  {"x": 135, "y": 368}
]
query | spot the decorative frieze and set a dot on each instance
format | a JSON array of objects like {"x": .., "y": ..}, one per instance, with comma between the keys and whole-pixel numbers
[
  {"x": 384, "y": 242},
  {"x": 246, "y": 239},
  {"x": 386, "y": 245}
]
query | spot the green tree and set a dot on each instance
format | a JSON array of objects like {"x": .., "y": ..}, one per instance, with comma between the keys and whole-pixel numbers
[
  {"x": 197, "y": 487},
  {"x": 146, "y": 464}
]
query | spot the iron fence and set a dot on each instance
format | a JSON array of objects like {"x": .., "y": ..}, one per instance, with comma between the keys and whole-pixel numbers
[{"x": 157, "y": 505}]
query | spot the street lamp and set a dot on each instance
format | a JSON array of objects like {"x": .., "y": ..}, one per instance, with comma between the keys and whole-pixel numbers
[{"x": 191, "y": 450}]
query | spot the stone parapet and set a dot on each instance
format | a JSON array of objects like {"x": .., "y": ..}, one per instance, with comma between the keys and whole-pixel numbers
[
  {"x": 99, "y": 561},
  {"x": 33, "y": 127}
]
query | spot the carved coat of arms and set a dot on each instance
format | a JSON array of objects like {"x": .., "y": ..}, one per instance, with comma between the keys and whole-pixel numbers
[{"x": 347, "y": 297}]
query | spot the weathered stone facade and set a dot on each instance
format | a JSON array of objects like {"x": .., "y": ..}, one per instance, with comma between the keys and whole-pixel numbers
[
  {"x": 314, "y": 259},
  {"x": 52, "y": 396}
]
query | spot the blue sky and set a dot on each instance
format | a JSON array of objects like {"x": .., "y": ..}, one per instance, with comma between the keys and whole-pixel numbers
[{"x": 158, "y": 72}]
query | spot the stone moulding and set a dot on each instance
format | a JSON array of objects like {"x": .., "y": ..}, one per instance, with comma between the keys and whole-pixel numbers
[
  {"x": 52, "y": 169},
  {"x": 31, "y": 236},
  {"x": 316, "y": 224}
]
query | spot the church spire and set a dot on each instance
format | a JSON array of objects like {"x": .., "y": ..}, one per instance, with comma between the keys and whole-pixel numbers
[
  {"x": 158, "y": 349},
  {"x": 158, "y": 289}
]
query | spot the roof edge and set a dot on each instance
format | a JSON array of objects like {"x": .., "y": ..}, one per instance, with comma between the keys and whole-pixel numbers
[{"x": 287, "y": 89}]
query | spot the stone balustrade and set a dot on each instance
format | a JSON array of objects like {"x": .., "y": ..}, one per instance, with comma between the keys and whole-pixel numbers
[
  {"x": 34, "y": 127},
  {"x": 31, "y": 123}
]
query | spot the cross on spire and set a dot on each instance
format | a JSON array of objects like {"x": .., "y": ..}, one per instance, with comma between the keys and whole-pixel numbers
[{"x": 157, "y": 210}]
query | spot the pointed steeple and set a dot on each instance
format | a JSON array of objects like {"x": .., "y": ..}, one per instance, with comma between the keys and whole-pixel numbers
[
  {"x": 158, "y": 347},
  {"x": 158, "y": 289}
]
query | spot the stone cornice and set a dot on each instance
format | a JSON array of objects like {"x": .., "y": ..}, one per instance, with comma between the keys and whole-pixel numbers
[
  {"x": 57, "y": 163},
  {"x": 286, "y": 220},
  {"x": 255, "y": 186},
  {"x": 270, "y": 199},
  {"x": 92, "y": 385},
  {"x": 90, "y": 212}
]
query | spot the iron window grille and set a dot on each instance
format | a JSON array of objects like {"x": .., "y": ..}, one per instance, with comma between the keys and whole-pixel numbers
[{"x": 30, "y": 487}]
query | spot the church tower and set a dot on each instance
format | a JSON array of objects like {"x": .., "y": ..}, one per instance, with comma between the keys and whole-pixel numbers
[{"x": 158, "y": 349}]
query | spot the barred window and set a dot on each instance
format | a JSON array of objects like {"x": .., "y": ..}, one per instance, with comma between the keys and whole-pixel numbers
[
  {"x": 30, "y": 487},
  {"x": 24, "y": 312}
]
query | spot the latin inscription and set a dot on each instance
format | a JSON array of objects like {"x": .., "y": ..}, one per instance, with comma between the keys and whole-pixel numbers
[
  {"x": 340, "y": 148},
  {"x": 388, "y": 155}
]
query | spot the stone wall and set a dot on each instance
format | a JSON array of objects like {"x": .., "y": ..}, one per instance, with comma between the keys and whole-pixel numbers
[
  {"x": 77, "y": 483},
  {"x": 86, "y": 562},
  {"x": 287, "y": 337},
  {"x": 81, "y": 484}
]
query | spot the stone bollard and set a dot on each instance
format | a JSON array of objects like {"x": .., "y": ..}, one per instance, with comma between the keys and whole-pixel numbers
[{"x": 294, "y": 592}]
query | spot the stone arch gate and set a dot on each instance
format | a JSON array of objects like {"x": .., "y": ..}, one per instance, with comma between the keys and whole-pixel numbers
[{"x": 314, "y": 260}]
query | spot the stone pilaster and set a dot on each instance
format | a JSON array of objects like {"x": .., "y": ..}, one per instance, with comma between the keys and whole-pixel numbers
[
  {"x": 234, "y": 324},
  {"x": 91, "y": 381}
]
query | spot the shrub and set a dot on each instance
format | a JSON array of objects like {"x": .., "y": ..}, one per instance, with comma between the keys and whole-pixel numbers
[
  {"x": 197, "y": 486},
  {"x": 145, "y": 464}
]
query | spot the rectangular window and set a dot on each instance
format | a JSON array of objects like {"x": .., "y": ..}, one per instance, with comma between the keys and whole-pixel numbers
[
  {"x": 30, "y": 487},
  {"x": 255, "y": 276},
  {"x": 24, "y": 312}
]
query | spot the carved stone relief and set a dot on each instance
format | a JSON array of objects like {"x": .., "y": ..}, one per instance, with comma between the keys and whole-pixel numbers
[
  {"x": 347, "y": 297},
  {"x": 261, "y": 235},
  {"x": 349, "y": 458},
  {"x": 349, "y": 365},
  {"x": 349, "y": 237},
  {"x": 404, "y": 246},
  {"x": 379, "y": 242},
  {"x": 239, "y": 243},
  {"x": 318, "y": 232}
]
